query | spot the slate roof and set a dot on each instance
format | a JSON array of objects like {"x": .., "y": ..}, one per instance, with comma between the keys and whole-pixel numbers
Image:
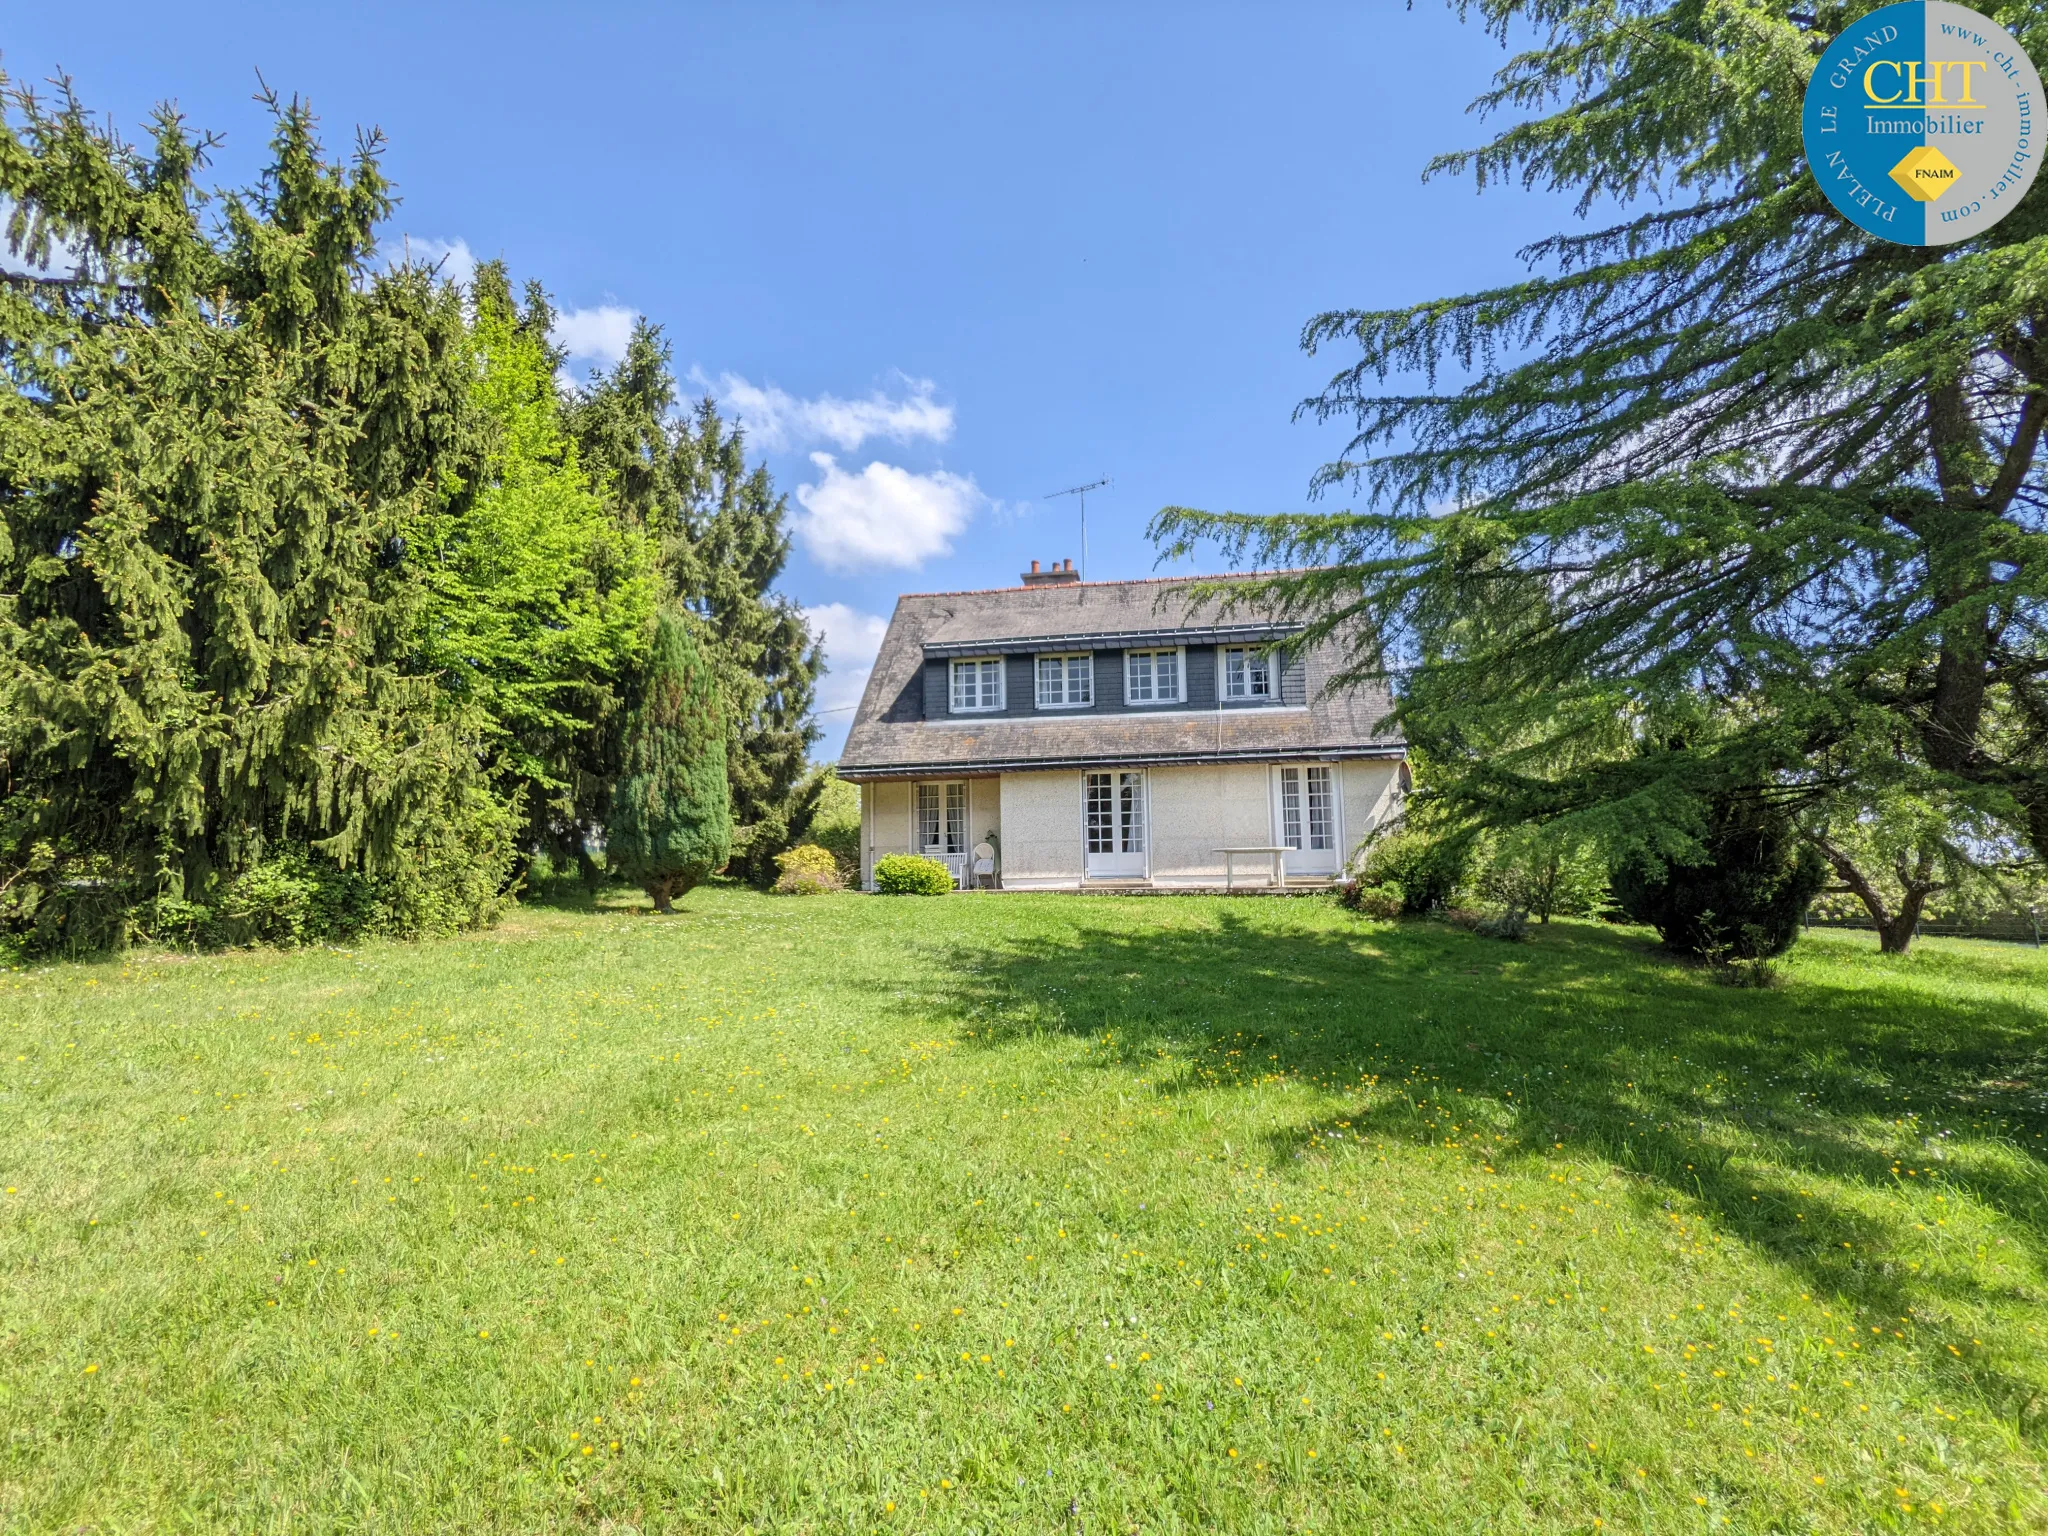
[{"x": 892, "y": 739}]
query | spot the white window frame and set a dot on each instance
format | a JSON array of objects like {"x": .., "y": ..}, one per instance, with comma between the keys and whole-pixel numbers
[
  {"x": 1259, "y": 663},
  {"x": 941, "y": 803},
  {"x": 978, "y": 688},
  {"x": 1156, "y": 699},
  {"x": 1069, "y": 674}
]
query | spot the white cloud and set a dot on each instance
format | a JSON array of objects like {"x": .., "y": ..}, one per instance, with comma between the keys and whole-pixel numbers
[
  {"x": 457, "y": 261},
  {"x": 774, "y": 418},
  {"x": 599, "y": 334},
  {"x": 883, "y": 515},
  {"x": 851, "y": 640}
]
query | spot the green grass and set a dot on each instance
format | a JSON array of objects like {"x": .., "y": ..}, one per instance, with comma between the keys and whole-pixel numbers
[{"x": 1026, "y": 1214}]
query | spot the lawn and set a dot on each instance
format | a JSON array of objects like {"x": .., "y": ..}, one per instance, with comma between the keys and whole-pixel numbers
[{"x": 1023, "y": 1213}]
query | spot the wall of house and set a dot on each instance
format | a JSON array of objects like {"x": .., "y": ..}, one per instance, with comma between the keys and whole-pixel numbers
[
  {"x": 1197, "y": 810},
  {"x": 1193, "y": 811},
  {"x": 1371, "y": 794},
  {"x": 1041, "y": 819},
  {"x": 884, "y": 825}
]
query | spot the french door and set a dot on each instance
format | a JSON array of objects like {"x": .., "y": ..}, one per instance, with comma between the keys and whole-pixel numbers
[
  {"x": 1305, "y": 817},
  {"x": 1113, "y": 825},
  {"x": 942, "y": 825}
]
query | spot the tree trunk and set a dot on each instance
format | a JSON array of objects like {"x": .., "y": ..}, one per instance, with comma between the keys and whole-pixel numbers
[
  {"x": 1896, "y": 936},
  {"x": 1895, "y": 930},
  {"x": 662, "y": 892}
]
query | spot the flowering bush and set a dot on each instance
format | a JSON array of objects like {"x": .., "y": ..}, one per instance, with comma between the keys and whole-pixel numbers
[
  {"x": 910, "y": 874},
  {"x": 807, "y": 870}
]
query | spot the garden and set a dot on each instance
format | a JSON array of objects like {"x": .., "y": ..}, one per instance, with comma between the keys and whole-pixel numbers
[{"x": 1023, "y": 1213}]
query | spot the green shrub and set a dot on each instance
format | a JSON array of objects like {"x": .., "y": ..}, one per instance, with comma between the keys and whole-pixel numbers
[
  {"x": 450, "y": 880},
  {"x": 835, "y": 825},
  {"x": 807, "y": 870},
  {"x": 756, "y": 848},
  {"x": 1384, "y": 902},
  {"x": 1539, "y": 871},
  {"x": 910, "y": 874},
  {"x": 1743, "y": 901},
  {"x": 1427, "y": 867},
  {"x": 1511, "y": 925}
]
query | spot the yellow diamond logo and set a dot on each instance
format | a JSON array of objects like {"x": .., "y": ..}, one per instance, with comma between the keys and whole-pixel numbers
[{"x": 1925, "y": 173}]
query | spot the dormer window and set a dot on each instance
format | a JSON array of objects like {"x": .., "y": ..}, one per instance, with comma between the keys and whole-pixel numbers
[
  {"x": 978, "y": 685},
  {"x": 1066, "y": 682},
  {"x": 1247, "y": 672},
  {"x": 1154, "y": 677}
]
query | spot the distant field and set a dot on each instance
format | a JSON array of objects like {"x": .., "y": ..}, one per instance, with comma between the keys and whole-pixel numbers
[{"x": 1023, "y": 1213}]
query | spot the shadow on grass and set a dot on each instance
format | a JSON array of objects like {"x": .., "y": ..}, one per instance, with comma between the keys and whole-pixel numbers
[
  {"x": 569, "y": 894},
  {"x": 1587, "y": 1039}
]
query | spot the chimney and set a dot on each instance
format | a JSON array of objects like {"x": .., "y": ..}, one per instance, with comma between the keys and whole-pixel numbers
[{"x": 1061, "y": 574}]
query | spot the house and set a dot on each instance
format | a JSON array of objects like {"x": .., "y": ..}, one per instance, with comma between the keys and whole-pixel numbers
[{"x": 1114, "y": 734}]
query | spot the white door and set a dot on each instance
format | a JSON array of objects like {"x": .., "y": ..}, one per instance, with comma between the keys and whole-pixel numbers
[
  {"x": 1113, "y": 825},
  {"x": 1305, "y": 818}
]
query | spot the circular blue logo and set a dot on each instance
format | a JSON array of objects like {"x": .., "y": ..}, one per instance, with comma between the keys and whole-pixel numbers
[{"x": 1923, "y": 123}]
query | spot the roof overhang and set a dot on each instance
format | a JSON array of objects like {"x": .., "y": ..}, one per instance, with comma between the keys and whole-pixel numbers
[
  {"x": 1115, "y": 640},
  {"x": 983, "y": 767}
]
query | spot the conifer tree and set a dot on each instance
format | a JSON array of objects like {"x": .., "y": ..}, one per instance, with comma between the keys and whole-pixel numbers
[
  {"x": 212, "y": 447},
  {"x": 671, "y": 822},
  {"x": 1728, "y": 472},
  {"x": 723, "y": 534}
]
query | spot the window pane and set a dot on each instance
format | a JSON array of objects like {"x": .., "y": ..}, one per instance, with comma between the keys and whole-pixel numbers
[
  {"x": 1100, "y": 821},
  {"x": 1139, "y": 687},
  {"x": 1258, "y": 670},
  {"x": 1131, "y": 812},
  {"x": 977, "y": 685},
  {"x": 1080, "y": 679},
  {"x": 1233, "y": 674},
  {"x": 1322, "y": 821},
  {"x": 1167, "y": 666},
  {"x": 1051, "y": 681},
  {"x": 956, "y": 818},
  {"x": 1290, "y": 807},
  {"x": 927, "y": 815}
]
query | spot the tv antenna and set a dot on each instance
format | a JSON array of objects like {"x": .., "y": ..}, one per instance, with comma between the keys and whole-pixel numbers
[{"x": 1080, "y": 494}]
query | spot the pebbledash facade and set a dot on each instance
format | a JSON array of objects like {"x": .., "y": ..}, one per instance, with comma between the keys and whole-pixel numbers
[{"x": 1114, "y": 734}]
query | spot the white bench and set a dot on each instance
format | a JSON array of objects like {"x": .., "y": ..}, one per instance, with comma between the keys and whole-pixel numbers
[{"x": 1276, "y": 854}]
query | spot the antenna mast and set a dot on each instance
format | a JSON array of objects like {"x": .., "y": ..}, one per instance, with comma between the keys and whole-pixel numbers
[{"x": 1080, "y": 494}]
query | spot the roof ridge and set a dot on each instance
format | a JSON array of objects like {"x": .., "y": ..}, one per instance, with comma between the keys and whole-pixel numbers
[{"x": 1132, "y": 581}]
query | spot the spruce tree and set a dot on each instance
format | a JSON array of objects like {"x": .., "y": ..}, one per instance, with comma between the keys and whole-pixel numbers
[
  {"x": 1729, "y": 469},
  {"x": 214, "y": 441},
  {"x": 739, "y": 544},
  {"x": 671, "y": 822}
]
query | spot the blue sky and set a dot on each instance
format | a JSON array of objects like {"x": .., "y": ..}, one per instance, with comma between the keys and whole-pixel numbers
[{"x": 943, "y": 259}]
